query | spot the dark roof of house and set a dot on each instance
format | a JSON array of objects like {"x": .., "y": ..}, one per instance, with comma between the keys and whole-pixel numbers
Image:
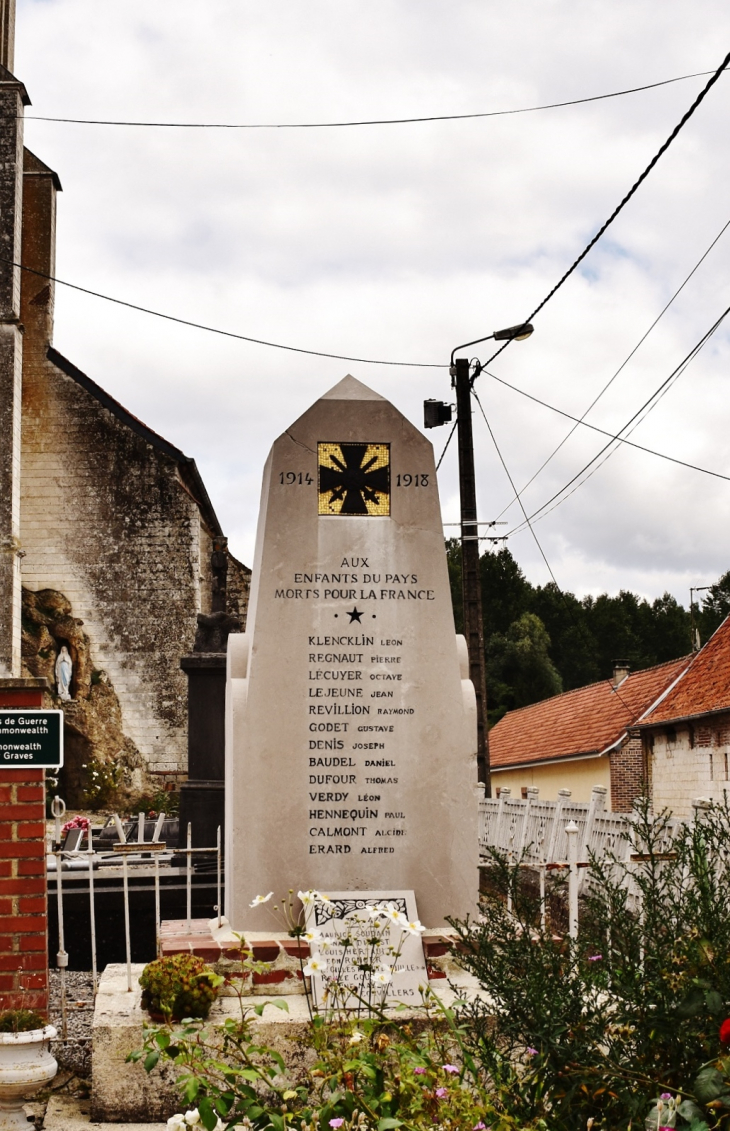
[
  {"x": 705, "y": 686},
  {"x": 589, "y": 720},
  {"x": 188, "y": 470}
]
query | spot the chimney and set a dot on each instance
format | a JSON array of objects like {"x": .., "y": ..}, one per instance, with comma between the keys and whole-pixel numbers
[{"x": 621, "y": 669}]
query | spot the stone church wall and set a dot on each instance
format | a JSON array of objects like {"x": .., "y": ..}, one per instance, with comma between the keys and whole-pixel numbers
[{"x": 107, "y": 521}]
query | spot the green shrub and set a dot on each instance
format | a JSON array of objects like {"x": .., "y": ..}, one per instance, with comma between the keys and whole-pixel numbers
[
  {"x": 599, "y": 1027},
  {"x": 20, "y": 1021},
  {"x": 179, "y": 986}
]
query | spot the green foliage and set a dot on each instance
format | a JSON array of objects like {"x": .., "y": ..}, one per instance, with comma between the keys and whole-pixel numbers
[
  {"x": 357, "y": 1073},
  {"x": 715, "y": 607},
  {"x": 519, "y": 668},
  {"x": 179, "y": 986},
  {"x": 597, "y": 1028},
  {"x": 161, "y": 801},
  {"x": 584, "y": 637},
  {"x": 20, "y": 1021},
  {"x": 101, "y": 781}
]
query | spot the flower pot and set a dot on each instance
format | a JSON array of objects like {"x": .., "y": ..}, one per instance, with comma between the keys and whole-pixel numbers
[{"x": 26, "y": 1064}]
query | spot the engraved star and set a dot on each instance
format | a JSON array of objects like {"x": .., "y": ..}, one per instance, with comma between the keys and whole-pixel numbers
[{"x": 354, "y": 615}]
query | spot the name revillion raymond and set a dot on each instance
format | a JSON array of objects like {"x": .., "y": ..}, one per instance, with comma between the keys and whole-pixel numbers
[{"x": 354, "y": 797}]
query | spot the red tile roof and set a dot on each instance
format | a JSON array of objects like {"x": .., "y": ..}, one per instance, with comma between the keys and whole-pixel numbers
[
  {"x": 705, "y": 686},
  {"x": 585, "y": 721}
]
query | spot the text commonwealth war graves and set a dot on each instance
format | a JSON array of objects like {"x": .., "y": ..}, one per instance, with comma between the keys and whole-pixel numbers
[{"x": 351, "y": 725}]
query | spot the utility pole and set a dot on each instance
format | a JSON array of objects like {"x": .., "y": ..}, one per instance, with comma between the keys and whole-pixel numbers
[
  {"x": 436, "y": 413},
  {"x": 471, "y": 579}
]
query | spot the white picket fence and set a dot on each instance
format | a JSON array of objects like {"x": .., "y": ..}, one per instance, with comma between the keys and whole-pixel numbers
[{"x": 534, "y": 830}]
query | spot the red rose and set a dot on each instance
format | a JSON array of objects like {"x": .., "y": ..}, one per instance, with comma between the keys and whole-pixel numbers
[{"x": 725, "y": 1031}]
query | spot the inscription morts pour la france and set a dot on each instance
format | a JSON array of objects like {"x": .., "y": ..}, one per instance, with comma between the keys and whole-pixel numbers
[{"x": 351, "y": 725}]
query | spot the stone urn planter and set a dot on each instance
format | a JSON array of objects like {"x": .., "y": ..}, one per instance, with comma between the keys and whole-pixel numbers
[{"x": 26, "y": 1064}]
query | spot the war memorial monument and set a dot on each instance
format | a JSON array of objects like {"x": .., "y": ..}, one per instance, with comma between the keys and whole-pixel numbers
[{"x": 350, "y": 720}]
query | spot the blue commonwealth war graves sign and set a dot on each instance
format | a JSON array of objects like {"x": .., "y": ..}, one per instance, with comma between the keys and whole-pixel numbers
[{"x": 31, "y": 738}]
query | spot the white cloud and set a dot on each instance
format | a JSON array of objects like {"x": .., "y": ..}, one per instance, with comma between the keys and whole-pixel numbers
[{"x": 399, "y": 242}]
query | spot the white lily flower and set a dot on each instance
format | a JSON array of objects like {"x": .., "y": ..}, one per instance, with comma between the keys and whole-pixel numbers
[
  {"x": 382, "y": 976},
  {"x": 192, "y": 1118},
  {"x": 308, "y": 898},
  {"x": 260, "y": 899},
  {"x": 324, "y": 943},
  {"x": 176, "y": 1123},
  {"x": 312, "y": 935},
  {"x": 356, "y": 1038},
  {"x": 315, "y": 966}
]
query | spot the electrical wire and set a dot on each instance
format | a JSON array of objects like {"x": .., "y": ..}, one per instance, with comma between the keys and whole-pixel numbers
[
  {"x": 446, "y": 445},
  {"x": 215, "y": 330},
  {"x": 608, "y": 384},
  {"x": 539, "y": 544},
  {"x": 378, "y": 361},
  {"x": 367, "y": 122},
  {"x": 602, "y": 432},
  {"x": 619, "y": 208},
  {"x": 652, "y": 400}
]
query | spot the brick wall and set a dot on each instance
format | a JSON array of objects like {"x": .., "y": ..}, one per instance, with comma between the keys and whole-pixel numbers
[
  {"x": 23, "y": 889},
  {"x": 23, "y": 903},
  {"x": 628, "y": 775}
]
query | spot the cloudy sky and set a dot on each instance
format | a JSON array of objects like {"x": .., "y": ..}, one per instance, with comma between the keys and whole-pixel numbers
[{"x": 400, "y": 241}]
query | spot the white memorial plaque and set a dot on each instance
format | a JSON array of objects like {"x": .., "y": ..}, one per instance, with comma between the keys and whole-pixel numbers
[{"x": 368, "y": 957}]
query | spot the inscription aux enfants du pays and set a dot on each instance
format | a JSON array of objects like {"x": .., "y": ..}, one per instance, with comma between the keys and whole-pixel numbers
[{"x": 351, "y": 737}]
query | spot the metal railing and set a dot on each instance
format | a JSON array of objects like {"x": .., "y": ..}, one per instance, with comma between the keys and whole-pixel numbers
[{"x": 132, "y": 853}]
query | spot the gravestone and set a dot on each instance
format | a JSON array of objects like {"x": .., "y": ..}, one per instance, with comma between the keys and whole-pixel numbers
[{"x": 351, "y": 723}]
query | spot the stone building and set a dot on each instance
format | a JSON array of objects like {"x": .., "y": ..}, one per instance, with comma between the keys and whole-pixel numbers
[
  {"x": 582, "y": 738},
  {"x": 686, "y": 737},
  {"x": 109, "y": 542}
]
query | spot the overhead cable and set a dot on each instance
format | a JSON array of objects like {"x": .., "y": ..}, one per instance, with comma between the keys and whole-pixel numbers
[
  {"x": 216, "y": 330},
  {"x": 619, "y": 208},
  {"x": 602, "y": 431},
  {"x": 538, "y": 543},
  {"x": 656, "y": 395},
  {"x": 608, "y": 384},
  {"x": 364, "y": 122}
]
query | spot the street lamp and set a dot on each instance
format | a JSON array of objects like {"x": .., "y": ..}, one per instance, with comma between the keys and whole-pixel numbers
[{"x": 470, "y": 579}]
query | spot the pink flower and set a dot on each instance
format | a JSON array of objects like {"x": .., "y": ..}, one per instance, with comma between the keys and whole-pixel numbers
[
  {"x": 479, "y": 1126},
  {"x": 665, "y": 1096},
  {"x": 336, "y": 1122},
  {"x": 450, "y": 1068},
  {"x": 595, "y": 957},
  {"x": 441, "y": 1092},
  {"x": 532, "y": 1052},
  {"x": 419, "y": 1071}
]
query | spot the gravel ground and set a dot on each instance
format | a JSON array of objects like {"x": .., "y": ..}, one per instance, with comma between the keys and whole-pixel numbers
[{"x": 73, "y": 1054}]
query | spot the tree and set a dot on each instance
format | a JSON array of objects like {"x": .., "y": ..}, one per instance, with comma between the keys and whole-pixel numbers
[
  {"x": 715, "y": 607},
  {"x": 519, "y": 668},
  {"x": 577, "y": 641}
]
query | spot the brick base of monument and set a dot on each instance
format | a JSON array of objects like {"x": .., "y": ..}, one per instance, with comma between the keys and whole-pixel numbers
[{"x": 279, "y": 950}]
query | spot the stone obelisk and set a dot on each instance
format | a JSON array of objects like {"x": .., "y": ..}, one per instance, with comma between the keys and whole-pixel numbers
[{"x": 351, "y": 724}]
